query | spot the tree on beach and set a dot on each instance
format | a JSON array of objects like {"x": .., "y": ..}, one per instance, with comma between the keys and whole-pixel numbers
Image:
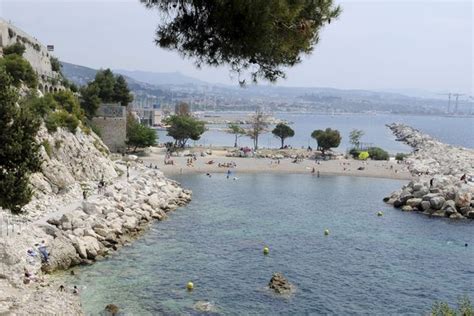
[
  {"x": 138, "y": 135},
  {"x": 326, "y": 139},
  {"x": 183, "y": 127},
  {"x": 355, "y": 136},
  {"x": 258, "y": 125},
  {"x": 260, "y": 37},
  {"x": 237, "y": 130},
  {"x": 19, "y": 152},
  {"x": 283, "y": 131}
]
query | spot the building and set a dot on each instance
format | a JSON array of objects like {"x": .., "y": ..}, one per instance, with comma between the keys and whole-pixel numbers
[{"x": 36, "y": 53}]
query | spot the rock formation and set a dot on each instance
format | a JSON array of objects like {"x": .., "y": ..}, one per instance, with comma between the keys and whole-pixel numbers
[
  {"x": 280, "y": 284},
  {"x": 443, "y": 185}
]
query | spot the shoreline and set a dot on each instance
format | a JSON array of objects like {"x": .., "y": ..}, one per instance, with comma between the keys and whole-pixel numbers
[{"x": 336, "y": 167}]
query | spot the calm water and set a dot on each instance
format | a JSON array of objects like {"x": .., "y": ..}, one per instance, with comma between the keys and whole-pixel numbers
[
  {"x": 455, "y": 131},
  {"x": 396, "y": 264}
]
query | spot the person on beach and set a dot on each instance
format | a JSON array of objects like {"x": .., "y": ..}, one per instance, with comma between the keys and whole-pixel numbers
[
  {"x": 84, "y": 194},
  {"x": 75, "y": 290},
  {"x": 228, "y": 173},
  {"x": 318, "y": 173},
  {"x": 61, "y": 288},
  {"x": 313, "y": 171}
]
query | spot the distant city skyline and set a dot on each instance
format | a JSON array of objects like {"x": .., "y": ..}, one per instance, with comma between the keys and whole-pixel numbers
[{"x": 374, "y": 45}]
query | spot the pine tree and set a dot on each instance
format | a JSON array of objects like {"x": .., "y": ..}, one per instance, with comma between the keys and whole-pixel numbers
[
  {"x": 19, "y": 152},
  {"x": 121, "y": 91}
]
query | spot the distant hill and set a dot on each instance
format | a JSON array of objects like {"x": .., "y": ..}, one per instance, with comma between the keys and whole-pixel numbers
[
  {"x": 81, "y": 75},
  {"x": 161, "y": 78}
]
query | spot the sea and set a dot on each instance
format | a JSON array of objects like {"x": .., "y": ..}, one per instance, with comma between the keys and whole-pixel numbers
[
  {"x": 396, "y": 264},
  {"x": 457, "y": 131}
]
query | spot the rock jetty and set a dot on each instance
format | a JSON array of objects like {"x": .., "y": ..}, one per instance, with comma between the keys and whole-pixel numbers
[{"x": 443, "y": 185}]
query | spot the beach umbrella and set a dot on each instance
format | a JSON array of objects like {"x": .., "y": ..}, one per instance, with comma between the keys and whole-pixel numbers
[{"x": 363, "y": 155}]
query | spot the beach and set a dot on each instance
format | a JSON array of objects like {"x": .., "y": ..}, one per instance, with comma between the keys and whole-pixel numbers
[{"x": 347, "y": 167}]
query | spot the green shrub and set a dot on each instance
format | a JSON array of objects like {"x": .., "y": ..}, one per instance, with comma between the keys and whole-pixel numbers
[
  {"x": 42, "y": 106},
  {"x": 20, "y": 70},
  {"x": 443, "y": 309},
  {"x": 400, "y": 156},
  {"x": 96, "y": 129},
  {"x": 61, "y": 118},
  {"x": 354, "y": 153},
  {"x": 55, "y": 64},
  {"x": 377, "y": 153},
  {"x": 47, "y": 147},
  {"x": 69, "y": 102},
  {"x": 17, "y": 48}
]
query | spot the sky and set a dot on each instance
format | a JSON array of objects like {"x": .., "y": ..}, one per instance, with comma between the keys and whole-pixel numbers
[{"x": 375, "y": 45}]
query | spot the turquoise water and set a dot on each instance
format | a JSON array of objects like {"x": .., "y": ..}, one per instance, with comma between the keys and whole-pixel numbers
[
  {"x": 452, "y": 130},
  {"x": 395, "y": 264}
]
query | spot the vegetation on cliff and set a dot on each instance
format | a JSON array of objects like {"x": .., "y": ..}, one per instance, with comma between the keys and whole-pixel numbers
[{"x": 19, "y": 152}]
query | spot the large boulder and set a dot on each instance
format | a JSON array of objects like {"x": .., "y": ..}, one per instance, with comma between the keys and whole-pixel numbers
[
  {"x": 463, "y": 197},
  {"x": 437, "y": 202},
  {"x": 280, "y": 284}
]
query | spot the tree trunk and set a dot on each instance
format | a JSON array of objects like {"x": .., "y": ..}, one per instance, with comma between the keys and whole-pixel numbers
[
  {"x": 282, "y": 143},
  {"x": 235, "y": 143}
]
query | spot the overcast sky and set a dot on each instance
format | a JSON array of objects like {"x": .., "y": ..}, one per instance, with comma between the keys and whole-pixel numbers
[{"x": 373, "y": 45}]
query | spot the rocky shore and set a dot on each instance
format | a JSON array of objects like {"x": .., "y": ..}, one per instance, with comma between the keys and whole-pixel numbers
[
  {"x": 77, "y": 231},
  {"x": 443, "y": 184}
]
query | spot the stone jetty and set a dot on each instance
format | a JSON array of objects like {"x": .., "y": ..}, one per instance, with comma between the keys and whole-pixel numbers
[{"x": 443, "y": 182}]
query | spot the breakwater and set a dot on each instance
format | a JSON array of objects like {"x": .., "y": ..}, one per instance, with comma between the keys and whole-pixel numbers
[{"x": 443, "y": 182}]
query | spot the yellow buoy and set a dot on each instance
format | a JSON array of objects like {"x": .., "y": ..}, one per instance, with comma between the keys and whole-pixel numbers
[
  {"x": 190, "y": 286},
  {"x": 326, "y": 232},
  {"x": 266, "y": 250},
  {"x": 379, "y": 213}
]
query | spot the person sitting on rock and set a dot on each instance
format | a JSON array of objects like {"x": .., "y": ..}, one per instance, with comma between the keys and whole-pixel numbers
[
  {"x": 75, "y": 290},
  {"x": 44, "y": 252}
]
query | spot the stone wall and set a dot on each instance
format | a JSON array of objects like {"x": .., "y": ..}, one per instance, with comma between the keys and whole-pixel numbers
[
  {"x": 36, "y": 54},
  {"x": 113, "y": 131}
]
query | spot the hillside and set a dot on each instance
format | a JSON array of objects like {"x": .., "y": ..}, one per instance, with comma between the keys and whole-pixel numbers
[{"x": 161, "y": 78}]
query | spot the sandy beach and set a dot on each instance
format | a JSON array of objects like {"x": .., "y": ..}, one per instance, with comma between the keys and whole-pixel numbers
[{"x": 347, "y": 167}]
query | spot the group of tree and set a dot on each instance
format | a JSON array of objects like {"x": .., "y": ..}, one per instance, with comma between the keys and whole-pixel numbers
[{"x": 105, "y": 88}]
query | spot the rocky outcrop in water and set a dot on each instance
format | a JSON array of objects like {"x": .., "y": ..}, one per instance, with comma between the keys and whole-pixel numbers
[
  {"x": 280, "y": 284},
  {"x": 444, "y": 186}
]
